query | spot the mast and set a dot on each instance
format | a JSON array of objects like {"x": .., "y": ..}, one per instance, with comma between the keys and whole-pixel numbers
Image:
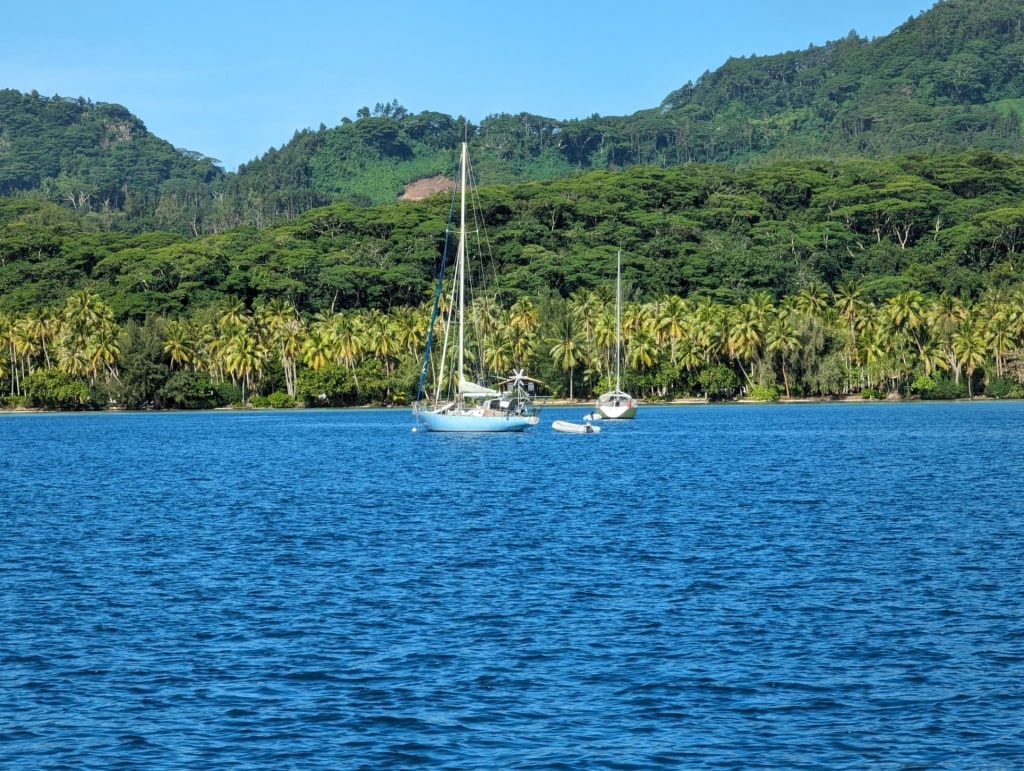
[
  {"x": 460, "y": 261},
  {"x": 618, "y": 317}
]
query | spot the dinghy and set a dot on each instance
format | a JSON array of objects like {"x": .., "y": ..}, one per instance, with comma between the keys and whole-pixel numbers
[{"x": 566, "y": 427}]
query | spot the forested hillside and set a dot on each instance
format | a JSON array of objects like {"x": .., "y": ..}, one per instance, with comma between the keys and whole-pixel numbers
[
  {"x": 93, "y": 158},
  {"x": 951, "y": 223},
  {"x": 846, "y": 219},
  {"x": 811, "y": 277},
  {"x": 952, "y": 78}
]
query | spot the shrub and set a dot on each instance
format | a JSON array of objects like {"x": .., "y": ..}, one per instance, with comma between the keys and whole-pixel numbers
[
  {"x": 1003, "y": 388},
  {"x": 947, "y": 388},
  {"x": 225, "y": 394},
  {"x": 55, "y": 390},
  {"x": 923, "y": 385},
  {"x": 279, "y": 400},
  {"x": 332, "y": 386},
  {"x": 189, "y": 390},
  {"x": 764, "y": 393},
  {"x": 717, "y": 380}
]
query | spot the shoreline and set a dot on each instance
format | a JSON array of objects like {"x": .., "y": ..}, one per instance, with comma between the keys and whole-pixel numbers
[{"x": 544, "y": 402}]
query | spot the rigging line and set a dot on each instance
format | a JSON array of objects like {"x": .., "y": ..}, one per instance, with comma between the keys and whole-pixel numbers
[
  {"x": 437, "y": 298},
  {"x": 488, "y": 268}
]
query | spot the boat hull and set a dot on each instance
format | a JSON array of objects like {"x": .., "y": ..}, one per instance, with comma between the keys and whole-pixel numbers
[
  {"x": 616, "y": 405},
  {"x": 566, "y": 427},
  {"x": 617, "y": 412},
  {"x": 466, "y": 423}
]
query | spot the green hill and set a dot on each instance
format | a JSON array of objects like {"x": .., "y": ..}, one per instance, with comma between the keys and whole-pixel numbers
[
  {"x": 91, "y": 157},
  {"x": 944, "y": 223},
  {"x": 948, "y": 79}
]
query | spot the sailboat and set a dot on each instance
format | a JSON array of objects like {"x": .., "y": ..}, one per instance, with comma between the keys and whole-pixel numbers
[
  {"x": 617, "y": 404},
  {"x": 460, "y": 404}
]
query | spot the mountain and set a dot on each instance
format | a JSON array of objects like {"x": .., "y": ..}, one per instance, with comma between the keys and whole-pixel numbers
[
  {"x": 949, "y": 79},
  {"x": 87, "y": 155}
]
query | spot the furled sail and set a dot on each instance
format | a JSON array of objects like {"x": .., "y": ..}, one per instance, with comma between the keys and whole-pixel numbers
[{"x": 469, "y": 388}]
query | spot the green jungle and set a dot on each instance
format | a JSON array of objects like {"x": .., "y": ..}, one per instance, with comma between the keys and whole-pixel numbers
[{"x": 841, "y": 221}]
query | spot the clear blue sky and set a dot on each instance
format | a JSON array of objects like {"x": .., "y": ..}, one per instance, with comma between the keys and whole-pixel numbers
[{"x": 232, "y": 80}]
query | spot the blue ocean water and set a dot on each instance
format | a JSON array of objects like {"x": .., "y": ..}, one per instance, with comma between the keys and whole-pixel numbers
[{"x": 818, "y": 586}]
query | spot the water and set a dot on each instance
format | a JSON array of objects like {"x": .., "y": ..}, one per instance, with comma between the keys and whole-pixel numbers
[{"x": 801, "y": 586}]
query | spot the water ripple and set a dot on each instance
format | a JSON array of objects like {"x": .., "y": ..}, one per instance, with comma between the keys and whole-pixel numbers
[{"x": 802, "y": 587}]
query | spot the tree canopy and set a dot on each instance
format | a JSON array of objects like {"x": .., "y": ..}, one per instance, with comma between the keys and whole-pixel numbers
[{"x": 948, "y": 79}]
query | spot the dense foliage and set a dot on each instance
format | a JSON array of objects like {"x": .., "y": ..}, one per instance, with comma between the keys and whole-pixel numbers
[
  {"x": 812, "y": 343},
  {"x": 809, "y": 278},
  {"x": 96, "y": 159},
  {"x": 948, "y": 79},
  {"x": 764, "y": 253},
  {"x": 950, "y": 223}
]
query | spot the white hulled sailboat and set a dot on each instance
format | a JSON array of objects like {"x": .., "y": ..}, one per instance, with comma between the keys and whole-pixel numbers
[{"x": 617, "y": 404}]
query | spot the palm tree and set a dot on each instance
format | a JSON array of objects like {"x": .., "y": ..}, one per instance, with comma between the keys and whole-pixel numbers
[
  {"x": 642, "y": 347},
  {"x": 812, "y": 299},
  {"x": 43, "y": 326},
  {"x": 781, "y": 338},
  {"x": 710, "y": 321},
  {"x": 88, "y": 336},
  {"x": 606, "y": 338},
  {"x": 999, "y": 336},
  {"x": 565, "y": 346},
  {"x": 233, "y": 316},
  {"x": 178, "y": 343},
  {"x": 969, "y": 345},
  {"x": 83, "y": 310},
  {"x": 906, "y": 313},
  {"x": 26, "y": 348},
  {"x": 316, "y": 346},
  {"x": 669, "y": 315},
  {"x": 943, "y": 316},
  {"x": 524, "y": 315},
  {"x": 746, "y": 336},
  {"x": 244, "y": 357},
  {"x": 871, "y": 350},
  {"x": 379, "y": 339},
  {"x": 102, "y": 352},
  {"x": 588, "y": 307},
  {"x": 499, "y": 355},
  {"x": 484, "y": 315},
  {"x": 73, "y": 361},
  {"x": 7, "y": 358},
  {"x": 848, "y": 301},
  {"x": 209, "y": 356},
  {"x": 346, "y": 340},
  {"x": 284, "y": 328}
]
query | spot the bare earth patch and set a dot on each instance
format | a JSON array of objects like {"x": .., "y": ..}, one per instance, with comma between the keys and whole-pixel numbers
[{"x": 422, "y": 188}]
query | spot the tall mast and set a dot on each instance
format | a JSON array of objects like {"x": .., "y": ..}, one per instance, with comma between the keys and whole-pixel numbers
[
  {"x": 618, "y": 317},
  {"x": 461, "y": 256}
]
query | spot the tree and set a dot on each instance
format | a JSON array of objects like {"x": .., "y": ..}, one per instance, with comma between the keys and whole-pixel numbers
[
  {"x": 969, "y": 347},
  {"x": 565, "y": 346},
  {"x": 144, "y": 370},
  {"x": 244, "y": 358},
  {"x": 179, "y": 344},
  {"x": 55, "y": 390},
  {"x": 284, "y": 328},
  {"x": 781, "y": 339}
]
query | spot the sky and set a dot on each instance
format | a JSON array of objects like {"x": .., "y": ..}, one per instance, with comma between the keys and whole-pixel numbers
[{"x": 233, "y": 80}]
